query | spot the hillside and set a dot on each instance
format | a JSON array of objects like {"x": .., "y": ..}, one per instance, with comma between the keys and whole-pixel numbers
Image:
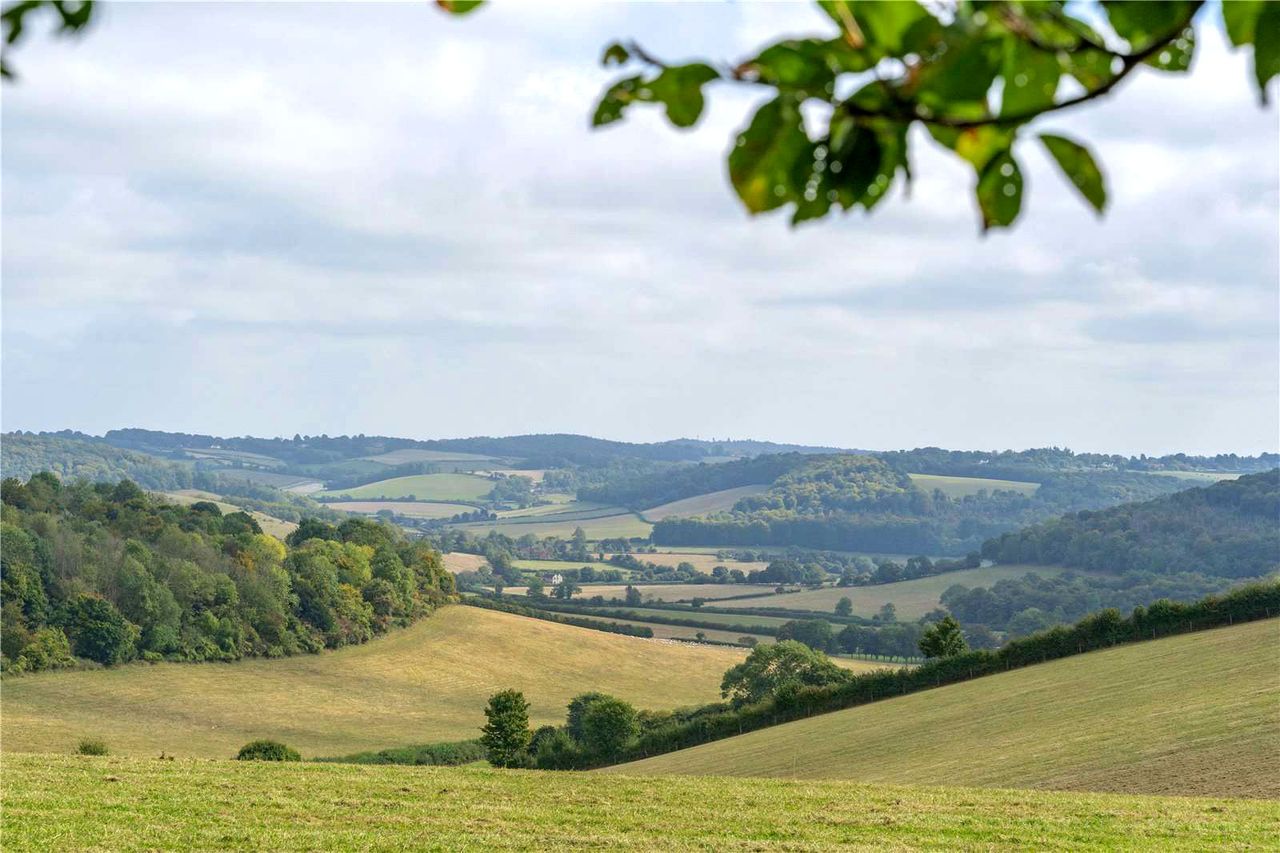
[
  {"x": 1227, "y": 529},
  {"x": 1196, "y": 714},
  {"x": 64, "y": 802},
  {"x": 425, "y": 683}
]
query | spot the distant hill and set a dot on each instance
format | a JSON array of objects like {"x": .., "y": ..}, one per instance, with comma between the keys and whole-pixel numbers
[
  {"x": 77, "y": 456},
  {"x": 1229, "y": 529},
  {"x": 1196, "y": 714}
]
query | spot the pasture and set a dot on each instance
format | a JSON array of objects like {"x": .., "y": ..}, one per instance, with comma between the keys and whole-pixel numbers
[
  {"x": 124, "y": 804},
  {"x": 621, "y": 525},
  {"x": 911, "y": 599},
  {"x": 960, "y": 487},
  {"x": 670, "y": 592},
  {"x": 1199, "y": 478},
  {"x": 413, "y": 454},
  {"x": 411, "y": 509},
  {"x": 1191, "y": 715},
  {"x": 271, "y": 525},
  {"x": 427, "y": 487},
  {"x": 703, "y": 562},
  {"x": 425, "y": 683},
  {"x": 702, "y": 504}
]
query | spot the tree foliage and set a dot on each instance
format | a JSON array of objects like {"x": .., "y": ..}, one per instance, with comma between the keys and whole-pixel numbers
[
  {"x": 768, "y": 668},
  {"x": 505, "y": 736},
  {"x": 943, "y": 639}
]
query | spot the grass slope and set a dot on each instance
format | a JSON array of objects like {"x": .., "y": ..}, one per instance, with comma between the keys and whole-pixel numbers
[
  {"x": 425, "y": 683},
  {"x": 412, "y": 509},
  {"x": 702, "y": 504},
  {"x": 960, "y": 487},
  {"x": 912, "y": 599},
  {"x": 271, "y": 525},
  {"x": 427, "y": 487},
  {"x": 1197, "y": 714},
  {"x": 55, "y": 802}
]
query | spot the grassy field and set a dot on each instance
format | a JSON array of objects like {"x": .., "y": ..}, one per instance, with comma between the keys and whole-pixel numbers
[
  {"x": 912, "y": 599},
  {"x": 606, "y": 527},
  {"x": 702, "y": 504},
  {"x": 55, "y": 802},
  {"x": 412, "y": 509},
  {"x": 667, "y": 591},
  {"x": 429, "y": 487},
  {"x": 959, "y": 487},
  {"x": 561, "y": 565},
  {"x": 277, "y": 527},
  {"x": 1202, "y": 478},
  {"x": 1197, "y": 714},
  {"x": 410, "y": 454},
  {"x": 702, "y": 562},
  {"x": 421, "y": 684},
  {"x": 456, "y": 561}
]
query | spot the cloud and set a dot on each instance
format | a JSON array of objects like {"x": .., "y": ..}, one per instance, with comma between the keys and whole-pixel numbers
[{"x": 290, "y": 218}]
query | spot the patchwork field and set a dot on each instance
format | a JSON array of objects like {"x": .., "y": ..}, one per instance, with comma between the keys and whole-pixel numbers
[
  {"x": 670, "y": 592},
  {"x": 410, "y": 454},
  {"x": 1197, "y": 714},
  {"x": 455, "y": 561},
  {"x": 421, "y": 684},
  {"x": 276, "y": 527},
  {"x": 911, "y": 599},
  {"x": 702, "y": 504},
  {"x": 428, "y": 487},
  {"x": 57, "y": 802},
  {"x": 703, "y": 562},
  {"x": 959, "y": 487},
  {"x": 412, "y": 509},
  {"x": 622, "y": 525}
]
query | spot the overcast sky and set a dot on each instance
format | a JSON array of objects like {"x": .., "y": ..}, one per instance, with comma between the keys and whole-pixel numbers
[{"x": 242, "y": 219}]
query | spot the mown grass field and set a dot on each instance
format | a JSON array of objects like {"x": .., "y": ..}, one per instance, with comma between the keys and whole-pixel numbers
[
  {"x": 56, "y": 802},
  {"x": 1200, "y": 477},
  {"x": 561, "y": 565},
  {"x": 412, "y": 509},
  {"x": 667, "y": 591},
  {"x": 456, "y": 561},
  {"x": 702, "y": 504},
  {"x": 702, "y": 562},
  {"x": 604, "y": 527},
  {"x": 421, "y": 684},
  {"x": 430, "y": 487},
  {"x": 1196, "y": 714},
  {"x": 276, "y": 527},
  {"x": 911, "y": 599},
  {"x": 959, "y": 487}
]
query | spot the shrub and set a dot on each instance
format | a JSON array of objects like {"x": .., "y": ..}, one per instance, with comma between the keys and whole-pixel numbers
[
  {"x": 91, "y": 746},
  {"x": 267, "y": 750}
]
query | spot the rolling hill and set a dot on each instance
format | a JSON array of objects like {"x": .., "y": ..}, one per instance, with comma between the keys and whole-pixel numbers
[
  {"x": 432, "y": 487},
  {"x": 428, "y": 682},
  {"x": 1196, "y": 714},
  {"x": 702, "y": 504},
  {"x": 67, "y": 802}
]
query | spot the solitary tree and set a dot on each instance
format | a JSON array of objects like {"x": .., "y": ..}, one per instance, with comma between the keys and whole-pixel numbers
[
  {"x": 608, "y": 725},
  {"x": 943, "y": 639},
  {"x": 844, "y": 607},
  {"x": 506, "y": 735},
  {"x": 770, "y": 667}
]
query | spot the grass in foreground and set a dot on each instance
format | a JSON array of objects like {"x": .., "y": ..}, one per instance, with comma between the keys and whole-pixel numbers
[
  {"x": 56, "y": 802},
  {"x": 1196, "y": 714},
  {"x": 425, "y": 683}
]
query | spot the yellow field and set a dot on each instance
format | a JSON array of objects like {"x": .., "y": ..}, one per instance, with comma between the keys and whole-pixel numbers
[
  {"x": 609, "y": 527},
  {"x": 432, "y": 487},
  {"x": 456, "y": 562},
  {"x": 959, "y": 487},
  {"x": 702, "y": 504},
  {"x": 911, "y": 599},
  {"x": 422, "y": 684},
  {"x": 276, "y": 527},
  {"x": 1197, "y": 714}
]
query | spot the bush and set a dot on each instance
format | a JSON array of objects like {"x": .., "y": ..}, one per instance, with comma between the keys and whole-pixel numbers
[
  {"x": 267, "y": 750},
  {"x": 91, "y": 746}
]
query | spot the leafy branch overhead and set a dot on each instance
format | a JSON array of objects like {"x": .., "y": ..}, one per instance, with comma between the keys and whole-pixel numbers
[{"x": 834, "y": 131}]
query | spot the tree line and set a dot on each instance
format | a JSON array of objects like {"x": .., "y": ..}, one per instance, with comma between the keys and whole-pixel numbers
[{"x": 108, "y": 573}]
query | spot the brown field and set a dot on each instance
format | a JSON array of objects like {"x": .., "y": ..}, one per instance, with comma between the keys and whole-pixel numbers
[{"x": 456, "y": 561}]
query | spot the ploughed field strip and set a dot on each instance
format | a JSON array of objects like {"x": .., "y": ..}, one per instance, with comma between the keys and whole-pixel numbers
[
  {"x": 68, "y": 802},
  {"x": 425, "y": 683},
  {"x": 1194, "y": 714}
]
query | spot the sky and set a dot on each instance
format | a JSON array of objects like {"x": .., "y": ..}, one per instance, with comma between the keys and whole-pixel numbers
[{"x": 271, "y": 219}]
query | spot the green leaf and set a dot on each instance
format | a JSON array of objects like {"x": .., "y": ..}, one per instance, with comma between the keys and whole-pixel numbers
[
  {"x": 1141, "y": 23},
  {"x": 615, "y": 100},
  {"x": 459, "y": 7},
  {"x": 807, "y": 66},
  {"x": 964, "y": 72},
  {"x": 853, "y": 161},
  {"x": 977, "y": 145},
  {"x": 762, "y": 164},
  {"x": 1030, "y": 78},
  {"x": 679, "y": 87},
  {"x": 885, "y": 24},
  {"x": 1240, "y": 18},
  {"x": 615, "y": 54},
  {"x": 1176, "y": 55},
  {"x": 1081, "y": 169},
  {"x": 1091, "y": 68},
  {"x": 1266, "y": 47},
  {"x": 1000, "y": 191}
]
